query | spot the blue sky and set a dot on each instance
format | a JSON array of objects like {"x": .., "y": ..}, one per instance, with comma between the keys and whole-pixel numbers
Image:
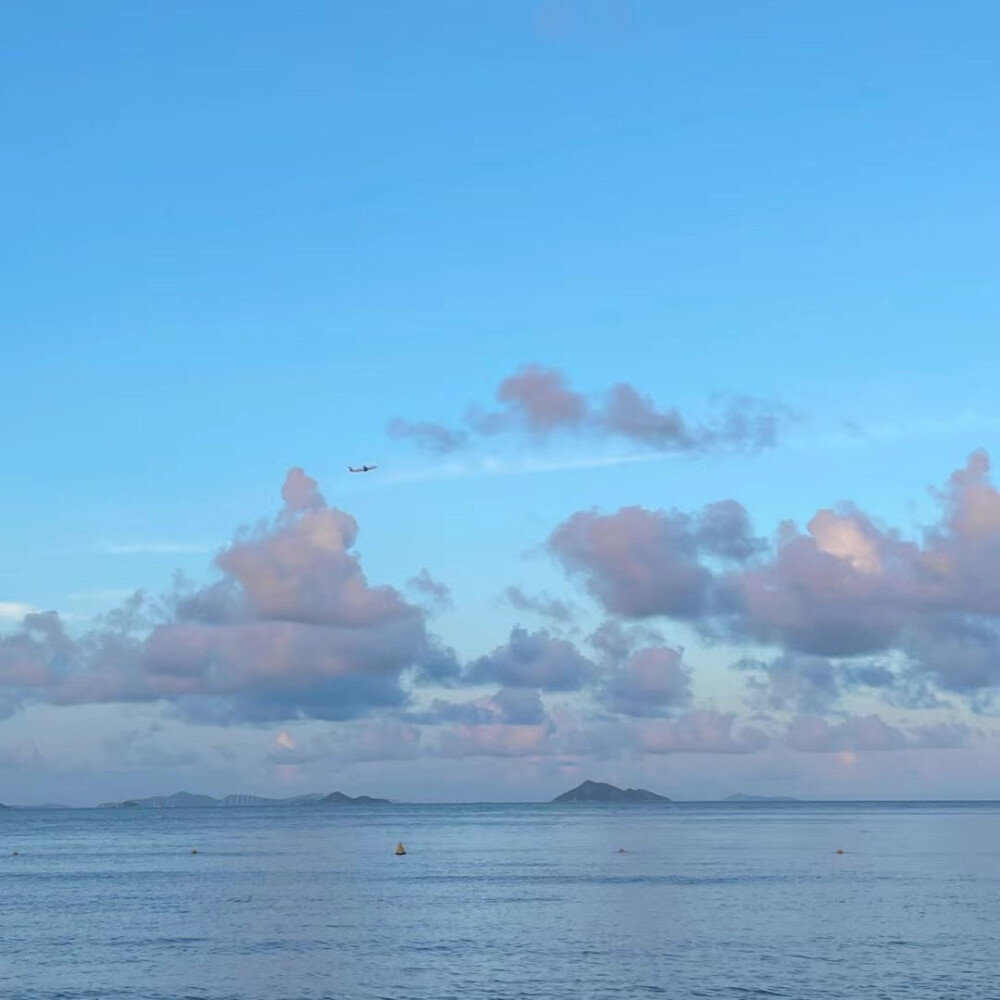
[{"x": 241, "y": 239}]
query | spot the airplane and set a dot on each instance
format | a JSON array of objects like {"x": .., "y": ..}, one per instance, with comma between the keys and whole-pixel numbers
[{"x": 364, "y": 468}]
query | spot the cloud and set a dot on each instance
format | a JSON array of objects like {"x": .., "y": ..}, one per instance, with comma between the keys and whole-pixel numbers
[
  {"x": 614, "y": 641},
  {"x": 869, "y": 733},
  {"x": 959, "y": 653},
  {"x": 848, "y": 587},
  {"x": 539, "y": 401},
  {"x": 286, "y": 752},
  {"x": 509, "y": 706},
  {"x": 14, "y": 611},
  {"x": 702, "y": 731},
  {"x": 793, "y": 682},
  {"x": 650, "y": 681},
  {"x": 639, "y": 562},
  {"x": 293, "y": 629},
  {"x": 844, "y": 588},
  {"x": 439, "y": 594},
  {"x": 543, "y": 604},
  {"x": 534, "y": 660},
  {"x": 536, "y": 398},
  {"x": 429, "y": 436}
]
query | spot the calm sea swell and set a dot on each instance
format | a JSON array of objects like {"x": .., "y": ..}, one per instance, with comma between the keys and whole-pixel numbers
[{"x": 504, "y": 902}]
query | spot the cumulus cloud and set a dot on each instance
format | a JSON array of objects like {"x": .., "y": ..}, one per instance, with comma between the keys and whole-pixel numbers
[
  {"x": 293, "y": 629},
  {"x": 536, "y": 398},
  {"x": 640, "y": 563},
  {"x": 845, "y": 588},
  {"x": 649, "y": 682},
  {"x": 534, "y": 660},
  {"x": 848, "y": 586},
  {"x": 540, "y": 402}
]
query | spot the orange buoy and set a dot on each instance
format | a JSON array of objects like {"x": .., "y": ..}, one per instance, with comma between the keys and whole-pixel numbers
[{"x": 400, "y": 849}]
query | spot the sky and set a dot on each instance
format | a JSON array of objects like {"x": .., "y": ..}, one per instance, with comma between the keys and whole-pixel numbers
[{"x": 670, "y": 327}]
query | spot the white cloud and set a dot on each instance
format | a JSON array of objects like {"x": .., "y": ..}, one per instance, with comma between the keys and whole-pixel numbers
[{"x": 14, "y": 611}]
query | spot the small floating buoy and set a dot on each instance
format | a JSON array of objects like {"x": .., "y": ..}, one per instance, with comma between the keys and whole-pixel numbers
[
  {"x": 621, "y": 850},
  {"x": 194, "y": 850},
  {"x": 839, "y": 851},
  {"x": 400, "y": 849}
]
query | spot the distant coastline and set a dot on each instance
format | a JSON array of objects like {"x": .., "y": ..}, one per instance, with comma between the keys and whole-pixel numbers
[
  {"x": 187, "y": 800},
  {"x": 588, "y": 792}
]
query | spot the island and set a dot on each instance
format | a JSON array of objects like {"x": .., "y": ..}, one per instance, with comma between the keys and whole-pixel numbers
[
  {"x": 186, "y": 800},
  {"x": 600, "y": 791}
]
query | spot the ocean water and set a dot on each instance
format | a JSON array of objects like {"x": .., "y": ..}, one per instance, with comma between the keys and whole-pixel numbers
[{"x": 502, "y": 901}]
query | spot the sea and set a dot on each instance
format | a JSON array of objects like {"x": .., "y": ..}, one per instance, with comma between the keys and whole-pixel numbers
[{"x": 684, "y": 900}]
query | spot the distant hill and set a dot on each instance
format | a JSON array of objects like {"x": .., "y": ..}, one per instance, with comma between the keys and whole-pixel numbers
[
  {"x": 185, "y": 800},
  {"x": 740, "y": 797},
  {"x": 599, "y": 791}
]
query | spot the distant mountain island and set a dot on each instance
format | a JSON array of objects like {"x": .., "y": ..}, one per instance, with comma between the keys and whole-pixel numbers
[
  {"x": 186, "y": 800},
  {"x": 600, "y": 791},
  {"x": 740, "y": 797}
]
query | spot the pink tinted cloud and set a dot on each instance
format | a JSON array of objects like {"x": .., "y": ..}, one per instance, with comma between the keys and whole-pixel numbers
[
  {"x": 293, "y": 629},
  {"x": 845, "y": 587},
  {"x": 541, "y": 402},
  {"x": 640, "y": 562}
]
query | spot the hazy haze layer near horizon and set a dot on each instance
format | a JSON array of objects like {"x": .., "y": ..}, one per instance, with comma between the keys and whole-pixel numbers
[{"x": 718, "y": 901}]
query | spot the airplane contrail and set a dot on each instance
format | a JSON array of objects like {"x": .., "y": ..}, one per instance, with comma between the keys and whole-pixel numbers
[{"x": 506, "y": 467}]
